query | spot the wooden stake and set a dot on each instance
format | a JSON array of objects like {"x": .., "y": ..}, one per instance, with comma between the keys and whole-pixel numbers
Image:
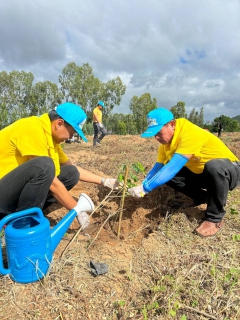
[{"x": 122, "y": 202}]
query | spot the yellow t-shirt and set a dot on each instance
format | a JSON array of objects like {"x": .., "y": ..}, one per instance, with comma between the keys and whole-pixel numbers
[
  {"x": 188, "y": 138},
  {"x": 28, "y": 137},
  {"x": 98, "y": 113}
]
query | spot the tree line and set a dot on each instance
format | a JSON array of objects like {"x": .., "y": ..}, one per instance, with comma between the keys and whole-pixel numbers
[{"x": 20, "y": 97}]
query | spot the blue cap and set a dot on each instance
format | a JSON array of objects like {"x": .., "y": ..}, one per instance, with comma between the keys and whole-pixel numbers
[
  {"x": 74, "y": 115},
  {"x": 156, "y": 119},
  {"x": 100, "y": 103}
]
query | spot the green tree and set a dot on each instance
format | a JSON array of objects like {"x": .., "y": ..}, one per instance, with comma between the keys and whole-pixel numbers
[
  {"x": 192, "y": 116},
  {"x": 15, "y": 92},
  {"x": 121, "y": 128},
  {"x": 113, "y": 122},
  {"x": 4, "y": 99},
  {"x": 45, "y": 96},
  {"x": 119, "y": 123},
  {"x": 3, "y": 116},
  {"x": 111, "y": 93},
  {"x": 21, "y": 85},
  {"x": 196, "y": 118},
  {"x": 130, "y": 124},
  {"x": 228, "y": 124},
  {"x": 179, "y": 110},
  {"x": 88, "y": 129},
  {"x": 79, "y": 85},
  {"x": 201, "y": 118},
  {"x": 140, "y": 107}
]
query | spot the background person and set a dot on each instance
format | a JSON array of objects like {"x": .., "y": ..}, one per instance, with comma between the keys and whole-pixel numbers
[
  {"x": 98, "y": 127},
  {"x": 193, "y": 162},
  {"x": 34, "y": 170},
  {"x": 219, "y": 129}
]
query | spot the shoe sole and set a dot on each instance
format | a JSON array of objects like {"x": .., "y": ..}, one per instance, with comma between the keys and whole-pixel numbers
[{"x": 207, "y": 236}]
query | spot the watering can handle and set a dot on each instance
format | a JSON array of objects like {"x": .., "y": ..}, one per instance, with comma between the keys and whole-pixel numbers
[
  {"x": 19, "y": 214},
  {"x": 10, "y": 217}
]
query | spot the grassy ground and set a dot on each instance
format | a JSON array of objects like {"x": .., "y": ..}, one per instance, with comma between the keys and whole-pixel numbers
[{"x": 158, "y": 269}]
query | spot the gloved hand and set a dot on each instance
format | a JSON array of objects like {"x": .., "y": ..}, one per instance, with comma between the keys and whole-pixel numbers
[
  {"x": 112, "y": 183},
  {"x": 83, "y": 219},
  {"x": 137, "y": 192},
  {"x": 78, "y": 208},
  {"x": 100, "y": 125}
]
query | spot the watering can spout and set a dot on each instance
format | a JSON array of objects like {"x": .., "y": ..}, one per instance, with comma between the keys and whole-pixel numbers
[{"x": 57, "y": 232}]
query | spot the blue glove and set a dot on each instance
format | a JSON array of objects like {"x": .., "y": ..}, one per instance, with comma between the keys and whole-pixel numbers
[{"x": 166, "y": 173}]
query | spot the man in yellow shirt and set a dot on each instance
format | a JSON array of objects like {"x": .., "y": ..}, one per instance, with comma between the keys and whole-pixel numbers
[
  {"x": 34, "y": 170},
  {"x": 193, "y": 161},
  {"x": 98, "y": 126}
]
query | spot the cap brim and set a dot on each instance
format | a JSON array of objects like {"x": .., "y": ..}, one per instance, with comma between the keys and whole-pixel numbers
[
  {"x": 79, "y": 131},
  {"x": 151, "y": 132}
]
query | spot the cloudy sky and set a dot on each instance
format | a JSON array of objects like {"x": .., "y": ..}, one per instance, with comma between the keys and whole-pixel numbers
[{"x": 175, "y": 50}]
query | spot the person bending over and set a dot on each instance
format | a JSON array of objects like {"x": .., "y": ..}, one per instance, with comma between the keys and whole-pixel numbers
[
  {"x": 34, "y": 170},
  {"x": 194, "y": 162}
]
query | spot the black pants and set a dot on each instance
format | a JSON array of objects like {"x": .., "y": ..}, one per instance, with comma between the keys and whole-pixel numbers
[
  {"x": 97, "y": 131},
  {"x": 212, "y": 186},
  {"x": 28, "y": 185}
]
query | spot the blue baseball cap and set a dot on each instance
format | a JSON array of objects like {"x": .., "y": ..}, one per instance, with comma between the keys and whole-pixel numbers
[
  {"x": 100, "y": 103},
  {"x": 156, "y": 119},
  {"x": 74, "y": 115}
]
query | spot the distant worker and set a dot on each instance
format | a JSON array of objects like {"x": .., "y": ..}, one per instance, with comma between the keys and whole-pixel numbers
[
  {"x": 193, "y": 162},
  {"x": 219, "y": 129},
  {"x": 34, "y": 170},
  {"x": 99, "y": 130}
]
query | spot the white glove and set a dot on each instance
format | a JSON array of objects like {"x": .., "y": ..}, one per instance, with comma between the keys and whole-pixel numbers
[
  {"x": 112, "y": 183},
  {"x": 100, "y": 125},
  {"x": 137, "y": 192},
  {"x": 83, "y": 219}
]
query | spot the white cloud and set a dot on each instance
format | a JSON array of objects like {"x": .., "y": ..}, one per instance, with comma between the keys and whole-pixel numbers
[{"x": 177, "y": 51}]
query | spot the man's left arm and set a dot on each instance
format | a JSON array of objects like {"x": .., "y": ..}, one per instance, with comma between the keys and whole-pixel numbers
[{"x": 165, "y": 174}]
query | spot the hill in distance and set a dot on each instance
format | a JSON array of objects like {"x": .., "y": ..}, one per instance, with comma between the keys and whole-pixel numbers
[{"x": 236, "y": 118}]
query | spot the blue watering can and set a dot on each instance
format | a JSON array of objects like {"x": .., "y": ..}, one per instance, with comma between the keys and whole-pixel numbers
[{"x": 30, "y": 242}]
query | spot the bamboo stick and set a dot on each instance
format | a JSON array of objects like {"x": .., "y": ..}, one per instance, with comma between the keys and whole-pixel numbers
[{"x": 122, "y": 202}]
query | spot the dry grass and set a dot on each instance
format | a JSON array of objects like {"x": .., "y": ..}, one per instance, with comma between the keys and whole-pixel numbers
[{"x": 158, "y": 269}]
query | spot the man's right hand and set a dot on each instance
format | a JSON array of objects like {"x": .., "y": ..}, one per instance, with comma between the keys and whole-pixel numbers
[{"x": 83, "y": 219}]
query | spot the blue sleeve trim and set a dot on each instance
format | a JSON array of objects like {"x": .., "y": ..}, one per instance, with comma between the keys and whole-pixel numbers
[{"x": 166, "y": 173}]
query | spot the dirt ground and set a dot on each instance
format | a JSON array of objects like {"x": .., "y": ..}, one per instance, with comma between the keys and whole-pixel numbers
[{"x": 157, "y": 267}]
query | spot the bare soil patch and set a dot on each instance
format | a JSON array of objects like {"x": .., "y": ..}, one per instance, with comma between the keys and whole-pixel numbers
[{"x": 158, "y": 269}]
